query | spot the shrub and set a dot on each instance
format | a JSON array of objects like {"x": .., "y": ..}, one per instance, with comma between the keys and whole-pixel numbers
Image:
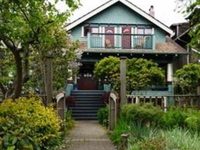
[
  {"x": 102, "y": 116},
  {"x": 69, "y": 122},
  {"x": 174, "y": 117},
  {"x": 121, "y": 127},
  {"x": 27, "y": 124},
  {"x": 141, "y": 73},
  {"x": 187, "y": 78},
  {"x": 193, "y": 121},
  {"x": 144, "y": 114}
]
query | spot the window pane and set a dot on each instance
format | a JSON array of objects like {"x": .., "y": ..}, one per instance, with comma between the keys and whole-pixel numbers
[
  {"x": 140, "y": 31},
  {"x": 148, "y": 31},
  {"x": 95, "y": 30}
]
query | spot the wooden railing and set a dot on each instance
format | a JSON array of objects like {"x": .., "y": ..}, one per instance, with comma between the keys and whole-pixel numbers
[
  {"x": 120, "y": 41},
  {"x": 167, "y": 100},
  {"x": 113, "y": 110}
]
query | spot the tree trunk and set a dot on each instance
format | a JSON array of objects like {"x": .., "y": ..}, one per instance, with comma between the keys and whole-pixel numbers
[{"x": 19, "y": 80}]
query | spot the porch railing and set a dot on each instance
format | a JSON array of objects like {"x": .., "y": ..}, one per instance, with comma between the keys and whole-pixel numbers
[{"x": 120, "y": 41}]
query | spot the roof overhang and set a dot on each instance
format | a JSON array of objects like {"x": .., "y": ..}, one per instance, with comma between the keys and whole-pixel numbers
[{"x": 126, "y": 3}]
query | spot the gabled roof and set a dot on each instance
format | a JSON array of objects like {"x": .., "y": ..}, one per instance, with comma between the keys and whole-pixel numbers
[{"x": 126, "y": 3}]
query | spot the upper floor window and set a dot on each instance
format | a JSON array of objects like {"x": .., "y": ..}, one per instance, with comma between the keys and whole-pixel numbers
[
  {"x": 89, "y": 29},
  {"x": 94, "y": 30},
  {"x": 86, "y": 30},
  {"x": 144, "y": 30}
]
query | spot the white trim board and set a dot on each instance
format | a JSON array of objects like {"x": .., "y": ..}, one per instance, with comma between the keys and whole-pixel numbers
[{"x": 128, "y": 4}]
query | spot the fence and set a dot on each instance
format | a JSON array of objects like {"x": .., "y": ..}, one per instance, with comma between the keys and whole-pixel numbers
[{"x": 167, "y": 100}]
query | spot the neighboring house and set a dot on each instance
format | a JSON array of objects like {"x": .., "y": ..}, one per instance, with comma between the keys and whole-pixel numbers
[
  {"x": 183, "y": 38},
  {"x": 120, "y": 28}
]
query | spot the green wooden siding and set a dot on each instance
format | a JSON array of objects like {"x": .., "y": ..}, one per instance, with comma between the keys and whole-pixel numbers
[{"x": 119, "y": 14}]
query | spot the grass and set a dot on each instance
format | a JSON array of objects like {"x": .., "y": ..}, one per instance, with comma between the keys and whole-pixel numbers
[{"x": 148, "y": 138}]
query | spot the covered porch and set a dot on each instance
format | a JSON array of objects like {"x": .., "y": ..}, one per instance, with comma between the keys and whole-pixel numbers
[{"x": 86, "y": 80}]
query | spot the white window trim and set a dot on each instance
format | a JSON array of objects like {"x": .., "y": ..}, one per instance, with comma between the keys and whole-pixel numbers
[
  {"x": 103, "y": 36},
  {"x": 120, "y": 37},
  {"x": 82, "y": 31},
  {"x": 115, "y": 37}
]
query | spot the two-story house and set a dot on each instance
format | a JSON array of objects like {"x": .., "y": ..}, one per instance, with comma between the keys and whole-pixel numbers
[{"x": 119, "y": 28}]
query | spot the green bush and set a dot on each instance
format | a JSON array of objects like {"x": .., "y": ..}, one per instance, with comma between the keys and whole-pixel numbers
[
  {"x": 69, "y": 122},
  {"x": 121, "y": 127},
  {"x": 144, "y": 114},
  {"x": 102, "y": 116},
  {"x": 141, "y": 73},
  {"x": 26, "y": 124},
  {"x": 174, "y": 117}
]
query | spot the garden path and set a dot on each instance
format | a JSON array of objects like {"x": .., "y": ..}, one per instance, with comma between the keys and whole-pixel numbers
[{"x": 89, "y": 135}]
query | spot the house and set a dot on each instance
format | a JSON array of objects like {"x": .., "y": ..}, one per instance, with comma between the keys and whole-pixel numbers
[
  {"x": 183, "y": 38},
  {"x": 120, "y": 28}
]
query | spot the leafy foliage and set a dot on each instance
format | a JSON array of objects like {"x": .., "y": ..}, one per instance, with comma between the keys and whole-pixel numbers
[
  {"x": 194, "y": 11},
  {"x": 102, "y": 116},
  {"x": 30, "y": 31},
  {"x": 174, "y": 117},
  {"x": 188, "y": 78},
  {"x": 176, "y": 129},
  {"x": 144, "y": 114},
  {"x": 27, "y": 124},
  {"x": 141, "y": 73}
]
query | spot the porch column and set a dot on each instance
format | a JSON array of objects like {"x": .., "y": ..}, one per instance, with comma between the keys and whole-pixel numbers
[
  {"x": 123, "y": 80},
  {"x": 170, "y": 82}
]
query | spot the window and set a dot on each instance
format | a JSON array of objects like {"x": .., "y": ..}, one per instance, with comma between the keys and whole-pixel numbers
[
  {"x": 89, "y": 29},
  {"x": 86, "y": 30},
  {"x": 144, "y": 30},
  {"x": 94, "y": 30}
]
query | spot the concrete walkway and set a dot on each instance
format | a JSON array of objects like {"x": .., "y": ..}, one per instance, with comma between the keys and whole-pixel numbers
[{"x": 89, "y": 135}]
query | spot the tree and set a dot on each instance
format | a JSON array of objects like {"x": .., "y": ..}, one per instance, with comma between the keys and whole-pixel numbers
[
  {"x": 141, "y": 73},
  {"x": 187, "y": 79},
  {"x": 192, "y": 9},
  {"x": 31, "y": 28}
]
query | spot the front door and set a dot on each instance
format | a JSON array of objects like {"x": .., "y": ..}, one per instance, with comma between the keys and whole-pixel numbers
[
  {"x": 109, "y": 37},
  {"x": 126, "y": 37},
  {"x": 87, "y": 83}
]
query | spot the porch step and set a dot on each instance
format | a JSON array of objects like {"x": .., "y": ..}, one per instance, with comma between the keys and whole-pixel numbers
[{"x": 87, "y": 104}]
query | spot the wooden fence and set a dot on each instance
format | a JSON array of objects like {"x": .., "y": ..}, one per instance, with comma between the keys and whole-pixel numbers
[{"x": 167, "y": 100}]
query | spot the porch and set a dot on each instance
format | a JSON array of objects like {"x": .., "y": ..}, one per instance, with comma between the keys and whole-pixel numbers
[{"x": 120, "y": 41}]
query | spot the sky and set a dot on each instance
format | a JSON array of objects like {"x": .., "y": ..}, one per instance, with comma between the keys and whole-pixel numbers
[{"x": 164, "y": 9}]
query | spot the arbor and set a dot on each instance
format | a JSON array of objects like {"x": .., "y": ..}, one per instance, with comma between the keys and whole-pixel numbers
[
  {"x": 31, "y": 30},
  {"x": 188, "y": 78},
  {"x": 141, "y": 73}
]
